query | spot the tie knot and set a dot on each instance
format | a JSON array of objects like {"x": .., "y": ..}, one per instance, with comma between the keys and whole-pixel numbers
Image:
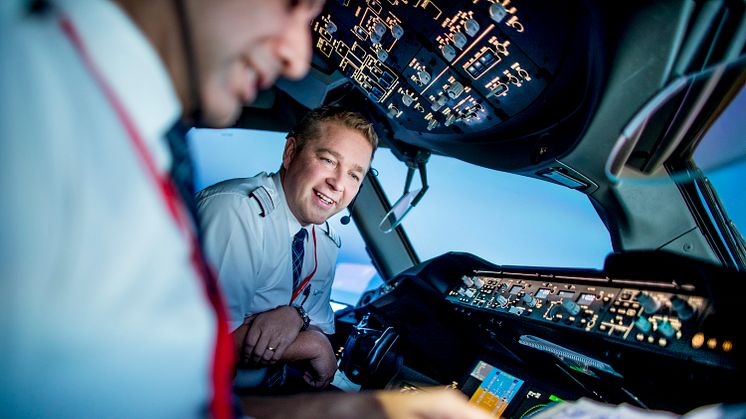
[{"x": 300, "y": 236}]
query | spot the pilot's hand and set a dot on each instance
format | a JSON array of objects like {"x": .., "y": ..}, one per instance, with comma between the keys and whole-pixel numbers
[
  {"x": 269, "y": 335},
  {"x": 323, "y": 363},
  {"x": 429, "y": 404}
]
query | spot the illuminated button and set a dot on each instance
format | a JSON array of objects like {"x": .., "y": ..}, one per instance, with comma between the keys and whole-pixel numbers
[
  {"x": 448, "y": 51},
  {"x": 606, "y": 299},
  {"x": 617, "y": 303},
  {"x": 583, "y": 321},
  {"x": 640, "y": 337},
  {"x": 602, "y": 328},
  {"x": 662, "y": 342},
  {"x": 571, "y": 319},
  {"x": 397, "y": 31},
  {"x": 698, "y": 340},
  {"x": 727, "y": 346},
  {"x": 471, "y": 27},
  {"x": 651, "y": 339},
  {"x": 460, "y": 40},
  {"x": 501, "y": 300},
  {"x": 625, "y": 304},
  {"x": 471, "y": 292},
  {"x": 712, "y": 343},
  {"x": 612, "y": 310},
  {"x": 498, "y": 12},
  {"x": 631, "y": 312}
]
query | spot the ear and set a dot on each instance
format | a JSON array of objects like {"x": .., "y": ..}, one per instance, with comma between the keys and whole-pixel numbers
[{"x": 289, "y": 153}]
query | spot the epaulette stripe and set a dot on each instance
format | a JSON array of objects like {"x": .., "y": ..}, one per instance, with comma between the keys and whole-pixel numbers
[{"x": 264, "y": 200}]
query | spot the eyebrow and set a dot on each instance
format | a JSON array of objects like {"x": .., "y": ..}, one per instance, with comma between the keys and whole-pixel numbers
[{"x": 338, "y": 156}]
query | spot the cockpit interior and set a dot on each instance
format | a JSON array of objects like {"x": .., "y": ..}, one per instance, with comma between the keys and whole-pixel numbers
[{"x": 610, "y": 99}]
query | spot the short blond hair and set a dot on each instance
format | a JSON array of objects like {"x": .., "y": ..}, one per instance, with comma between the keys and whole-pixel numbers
[{"x": 309, "y": 126}]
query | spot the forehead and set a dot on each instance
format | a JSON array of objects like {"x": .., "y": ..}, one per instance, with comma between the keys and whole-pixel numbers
[{"x": 350, "y": 144}]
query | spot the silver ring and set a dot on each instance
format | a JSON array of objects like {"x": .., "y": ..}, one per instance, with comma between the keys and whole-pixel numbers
[{"x": 269, "y": 348}]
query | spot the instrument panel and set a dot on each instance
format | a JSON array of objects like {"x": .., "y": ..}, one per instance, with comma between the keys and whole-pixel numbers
[
  {"x": 447, "y": 67},
  {"x": 658, "y": 339},
  {"x": 670, "y": 322}
]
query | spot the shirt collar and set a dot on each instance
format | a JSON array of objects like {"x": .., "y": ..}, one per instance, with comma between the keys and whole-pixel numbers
[
  {"x": 293, "y": 224},
  {"x": 131, "y": 66}
]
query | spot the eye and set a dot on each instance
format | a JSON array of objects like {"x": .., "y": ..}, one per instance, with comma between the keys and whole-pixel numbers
[
  {"x": 327, "y": 161},
  {"x": 355, "y": 176}
]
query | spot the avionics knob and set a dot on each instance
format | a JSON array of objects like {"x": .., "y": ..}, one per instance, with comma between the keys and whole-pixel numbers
[
  {"x": 375, "y": 38},
  {"x": 331, "y": 27},
  {"x": 529, "y": 300},
  {"x": 397, "y": 31},
  {"x": 571, "y": 307},
  {"x": 459, "y": 39},
  {"x": 455, "y": 90},
  {"x": 666, "y": 329},
  {"x": 423, "y": 76},
  {"x": 497, "y": 12},
  {"x": 379, "y": 28},
  {"x": 650, "y": 304},
  {"x": 682, "y": 307},
  {"x": 643, "y": 324},
  {"x": 382, "y": 55},
  {"x": 406, "y": 100},
  {"x": 467, "y": 281},
  {"x": 449, "y": 53},
  {"x": 471, "y": 27}
]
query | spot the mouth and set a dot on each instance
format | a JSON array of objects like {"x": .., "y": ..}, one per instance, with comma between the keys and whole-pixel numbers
[
  {"x": 325, "y": 199},
  {"x": 250, "y": 87}
]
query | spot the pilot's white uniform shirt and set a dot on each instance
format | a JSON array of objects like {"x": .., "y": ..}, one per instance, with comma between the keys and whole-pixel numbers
[
  {"x": 101, "y": 312},
  {"x": 252, "y": 253}
]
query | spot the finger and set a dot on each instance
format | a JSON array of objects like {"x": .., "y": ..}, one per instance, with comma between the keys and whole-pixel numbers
[
  {"x": 269, "y": 353},
  {"x": 252, "y": 337},
  {"x": 279, "y": 352},
  {"x": 260, "y": 348}
]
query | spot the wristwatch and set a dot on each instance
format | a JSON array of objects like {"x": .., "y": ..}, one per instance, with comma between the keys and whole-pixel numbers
[{"x": 303, "y": 316}]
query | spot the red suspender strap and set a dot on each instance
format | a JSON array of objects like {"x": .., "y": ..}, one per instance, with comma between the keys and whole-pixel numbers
[{"x": 220, "y": 405}]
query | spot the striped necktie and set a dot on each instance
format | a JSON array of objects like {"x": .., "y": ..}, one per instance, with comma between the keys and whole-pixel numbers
[{"x": 298, "y": 246}]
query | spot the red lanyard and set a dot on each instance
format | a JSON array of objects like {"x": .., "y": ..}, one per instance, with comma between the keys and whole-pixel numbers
[
  {"x": 220, "y": 405},
  {"x": 305, "y": 281}
]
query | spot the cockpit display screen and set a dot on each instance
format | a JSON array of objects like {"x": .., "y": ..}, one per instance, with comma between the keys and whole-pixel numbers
[
  {"x": 542, "y": 293},
  {"x": 495, "y": 388}
]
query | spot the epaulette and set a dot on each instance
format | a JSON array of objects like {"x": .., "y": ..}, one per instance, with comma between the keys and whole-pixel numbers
[
  {"x": 327, "y": 229},
  {"x": 264, "y": 199}
]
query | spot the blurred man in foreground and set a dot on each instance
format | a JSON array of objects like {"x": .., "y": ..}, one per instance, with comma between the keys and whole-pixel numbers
[{"x": 107, "y": 307}]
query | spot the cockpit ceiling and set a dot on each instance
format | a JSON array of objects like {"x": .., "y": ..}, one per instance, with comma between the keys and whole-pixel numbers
[{"x": 498, "y": 83}]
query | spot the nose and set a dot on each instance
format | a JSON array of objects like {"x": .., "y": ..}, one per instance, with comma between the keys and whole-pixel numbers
[
  {"x": 295, "y": 47},
  {"x": 335, "y": 181}
]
